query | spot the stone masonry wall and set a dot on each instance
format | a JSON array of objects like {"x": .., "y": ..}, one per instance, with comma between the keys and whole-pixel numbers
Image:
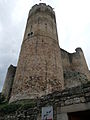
[
  {"x": 74, "y": 78},
  {"x": 39, "y": 70},
  {"x": 73, "y": 96},
  {"x": 74, "y": 61},
  {"x": 65, "y": 60},
  {"x": 75, "y": 69},
  {"x": 9, "y": 82}
]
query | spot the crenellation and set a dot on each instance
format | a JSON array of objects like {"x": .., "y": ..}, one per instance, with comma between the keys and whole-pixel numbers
[
  {"x": 42, "y": 8},
  {"x": 78, "y": 50}
]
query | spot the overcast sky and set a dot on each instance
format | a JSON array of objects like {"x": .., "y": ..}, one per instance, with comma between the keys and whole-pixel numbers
[{"x": 73, "y": 23}]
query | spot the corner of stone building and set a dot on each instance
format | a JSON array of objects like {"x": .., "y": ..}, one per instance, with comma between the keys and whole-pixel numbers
[
  {"x": 6, "y": 91},
  {"x": 84, "y": 66}
]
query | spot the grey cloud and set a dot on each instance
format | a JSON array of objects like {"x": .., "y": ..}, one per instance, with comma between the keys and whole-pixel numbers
[{"x": 10, "y": 39}]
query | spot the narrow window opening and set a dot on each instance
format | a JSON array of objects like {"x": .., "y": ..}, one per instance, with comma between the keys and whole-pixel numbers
[
  {"x": 46, "y": 25},
  {"x": 31, "y": 28},
  {"x": 30, "y": 34}
]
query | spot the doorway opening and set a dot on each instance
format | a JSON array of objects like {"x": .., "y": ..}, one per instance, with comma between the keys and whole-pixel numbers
[{"x": 82, "y": 115}]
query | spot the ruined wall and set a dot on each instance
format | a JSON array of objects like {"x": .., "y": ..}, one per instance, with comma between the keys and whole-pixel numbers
[
  {"x": 39, "y": 69},
  {"x": 9, "y": 82},
  {"x": 65, "y": 60},
  {"x": 74, "y": 78},
  {"x": 78, "y": 62},
  {"x": 67, "y": 101},
  {"x": 74, "y": 61},
  {"x": 75, "y": 68}
]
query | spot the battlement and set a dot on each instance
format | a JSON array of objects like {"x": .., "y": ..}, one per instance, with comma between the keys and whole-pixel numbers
[
  {"x": 78, "y": 50},
  {"x": 42, "y": 7},
  {"x": 74, "y": 61}
]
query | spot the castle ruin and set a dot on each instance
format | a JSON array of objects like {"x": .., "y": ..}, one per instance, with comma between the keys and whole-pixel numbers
[{"x": 44, "y": 69}]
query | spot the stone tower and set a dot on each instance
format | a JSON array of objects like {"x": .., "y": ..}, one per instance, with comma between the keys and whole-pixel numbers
[
  {"x": 39, "y": 70},
  {"x": 7, "y": 88}
]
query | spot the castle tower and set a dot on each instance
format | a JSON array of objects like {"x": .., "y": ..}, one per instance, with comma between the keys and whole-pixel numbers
[{"x": 39, "y": 70}]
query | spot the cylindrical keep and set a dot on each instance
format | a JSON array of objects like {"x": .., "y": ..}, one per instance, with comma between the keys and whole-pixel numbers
[{"x": 39, "y": 70}]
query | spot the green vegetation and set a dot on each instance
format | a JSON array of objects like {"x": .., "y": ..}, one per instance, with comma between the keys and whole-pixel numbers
[
  {"x": 19, "y": 105},
  {"x": 1, "y": 98},
  {"x": 9, "y": 108}
]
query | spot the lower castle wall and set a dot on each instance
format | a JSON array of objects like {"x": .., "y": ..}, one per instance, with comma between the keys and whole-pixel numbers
[
  {"x": 70, "y": 100},
  {"x": 74, "y": 78}
]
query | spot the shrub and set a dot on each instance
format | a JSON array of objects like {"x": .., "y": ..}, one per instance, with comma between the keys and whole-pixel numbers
[{"x": 9, "y": 108}]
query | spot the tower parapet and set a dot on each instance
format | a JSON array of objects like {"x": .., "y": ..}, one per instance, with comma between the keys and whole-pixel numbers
[
  {"x": 42, "y": 21},
  {"x": 42, "y": 7}
]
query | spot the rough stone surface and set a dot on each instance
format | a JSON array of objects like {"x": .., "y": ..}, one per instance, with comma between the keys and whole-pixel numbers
[
  {"x": 9, "y": 82},
  {"x": 75, "y": 62},
  {"x": 74, "y": 78},
  {"x": 75, "y": 69},
  {"x": 39, "y": 69},
  {"x": 74, "y": 95},
  {"x": 62, "y": 116}
]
